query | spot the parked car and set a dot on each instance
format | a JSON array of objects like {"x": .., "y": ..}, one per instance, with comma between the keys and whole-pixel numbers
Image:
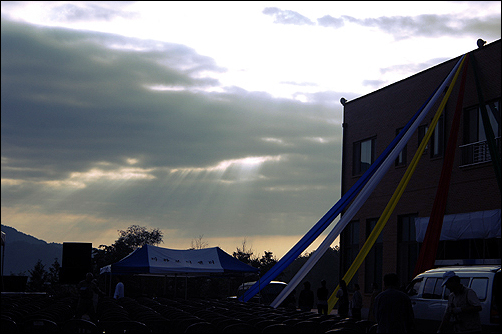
[
  {"x": 429, "y": 298},
  {"x": 267, "y": 294}
]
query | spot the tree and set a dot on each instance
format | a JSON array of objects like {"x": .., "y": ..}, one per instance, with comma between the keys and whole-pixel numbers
[
  {"x": 134, "y": 237},
  {"x": 53, "y": 274},
  {"x": 267, "y": 261},
  {"x": 199, "y": 243},
  {"x": 246, "y": 255},
  {"x": 37, "y": 278}
]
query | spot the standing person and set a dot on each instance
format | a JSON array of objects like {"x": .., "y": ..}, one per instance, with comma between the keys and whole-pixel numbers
[
  {"x": 356, "y": 303},
  {"x": 463, "y": 306},
  {"x": 343, "y": 300},
  {"x": 322, "y": 298},
  {"x": 393, "y": 310},
  {"x": 306, "y": 299},
  {"x": 119, "y": 289},
  {"x": 374, "y": 293},
  {"x": 86, "y": 289},
  {"x": 95, "y": 295}
]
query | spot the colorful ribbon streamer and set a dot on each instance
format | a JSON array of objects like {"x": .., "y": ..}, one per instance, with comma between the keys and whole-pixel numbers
[
  {"x": 324, "y": 222},
  {"x": 397, "y": 194},
  {"x": 395, "y": 147},
  {"x": 428, "y": 250}
]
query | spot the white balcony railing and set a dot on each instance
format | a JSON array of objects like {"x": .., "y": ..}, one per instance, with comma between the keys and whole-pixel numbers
[{"x": 477, "y": 153}]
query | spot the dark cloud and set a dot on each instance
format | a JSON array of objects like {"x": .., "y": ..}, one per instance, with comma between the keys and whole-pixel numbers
[
  {"x": 428, "y": 25},
  {"x": 373, "y": 83},
  {"x": 414, "y": 68},
  {"x": 95, "y": 11},
  {"x": 329, "y": 97},
  {"x": 330, "y": 21},
  {"x": 304, "y": 84},
  {"x": 63, "y": 89},
  {"x": 403, "y": 70},
  {"x": 287, "y": 16},
  {"x": 76, "y": 105},
  {"x": 431, "y": 25}
]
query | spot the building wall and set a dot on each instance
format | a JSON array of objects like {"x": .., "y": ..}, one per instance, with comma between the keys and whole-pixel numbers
[{"x": 380, "y": 113}]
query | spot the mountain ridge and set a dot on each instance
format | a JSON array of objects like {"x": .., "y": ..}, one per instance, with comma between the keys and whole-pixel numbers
[{"x": 22, "y": 252}]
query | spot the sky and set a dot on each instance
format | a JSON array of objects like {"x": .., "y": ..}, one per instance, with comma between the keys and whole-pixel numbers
[{"x": 212, "y": 121}]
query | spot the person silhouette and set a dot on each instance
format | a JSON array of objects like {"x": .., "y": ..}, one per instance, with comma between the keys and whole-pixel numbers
[
  {"x": 86, "y": 290},
  {"x": 322, "y": 298},
  {"x": 463, "y": 306},
  {"x": 356, "y": 303},
  {"x": 119, "y": 289},
  {"x": 343, "y": 300},
  {"x": 374, "y": 292},
  {"x": 306, "y": 298},
  {"x": 393, "y": 310}
]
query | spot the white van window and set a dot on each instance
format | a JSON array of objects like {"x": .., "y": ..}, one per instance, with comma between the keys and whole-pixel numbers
[
  {"x": 414, "y": 287},
  {"x": 465, "y": 281},
  {"x": 433, "y": 288},
  {"x": 480, "y": 286}
]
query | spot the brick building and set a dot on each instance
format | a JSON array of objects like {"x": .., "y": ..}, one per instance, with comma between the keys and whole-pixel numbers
[{"x": 372, "y": 121}]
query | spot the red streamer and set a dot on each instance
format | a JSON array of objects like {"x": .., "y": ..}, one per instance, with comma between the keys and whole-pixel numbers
[{"x": 428, "y": 251}]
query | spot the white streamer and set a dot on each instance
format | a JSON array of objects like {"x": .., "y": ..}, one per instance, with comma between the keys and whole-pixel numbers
[{"x": 362, "y": 197}]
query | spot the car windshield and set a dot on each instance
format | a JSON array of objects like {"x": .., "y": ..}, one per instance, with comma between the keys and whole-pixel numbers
[{"x": 268, "y": 293}]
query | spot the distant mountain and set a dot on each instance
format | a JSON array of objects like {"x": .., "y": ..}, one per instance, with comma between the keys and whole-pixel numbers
[{"x": 22, "y": 252}]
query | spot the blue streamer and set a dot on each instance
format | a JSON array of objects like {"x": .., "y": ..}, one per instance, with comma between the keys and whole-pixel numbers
[{"x": 326, "y": 220}]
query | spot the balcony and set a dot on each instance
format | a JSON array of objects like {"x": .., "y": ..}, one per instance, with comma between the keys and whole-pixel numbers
[{"x": 477, "y": 153}]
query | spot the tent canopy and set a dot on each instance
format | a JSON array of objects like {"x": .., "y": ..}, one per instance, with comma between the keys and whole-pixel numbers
[
  {"x": 152, "y": 260},
  {"x": 471, "y": 225}
]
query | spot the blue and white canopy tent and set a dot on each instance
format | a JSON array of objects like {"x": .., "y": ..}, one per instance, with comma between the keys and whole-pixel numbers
[
  {"x": 157, "y": 261},
  {"x": 153, "y": 260}
]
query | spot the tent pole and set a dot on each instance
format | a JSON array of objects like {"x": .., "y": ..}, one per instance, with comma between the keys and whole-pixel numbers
[{"x": 186, "y": 286}]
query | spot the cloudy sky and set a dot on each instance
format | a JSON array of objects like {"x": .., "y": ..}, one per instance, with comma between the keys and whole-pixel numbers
[{"x": 219, "y": 120}]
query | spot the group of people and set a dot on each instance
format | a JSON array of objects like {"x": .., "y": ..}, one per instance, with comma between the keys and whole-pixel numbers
[
  {"x": 391, "y": 309},
  {"x": 306, "y": 300},
  {"x": 89, "y": 292}
]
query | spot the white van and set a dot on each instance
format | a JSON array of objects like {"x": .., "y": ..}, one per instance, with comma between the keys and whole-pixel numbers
[
  {"x": 429, "y": 298},
  {"x": 266, "y": 296}
]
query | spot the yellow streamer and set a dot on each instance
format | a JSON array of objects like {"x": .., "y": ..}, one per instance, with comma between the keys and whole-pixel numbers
[{"x": 395, "y": 197}]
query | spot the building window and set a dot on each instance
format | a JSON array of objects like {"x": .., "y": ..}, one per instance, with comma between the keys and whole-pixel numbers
[
  {"x": 422, "y": 130},
  {"x": 452, "y": 251},
  {"x": 350, "y": 246},
  {"x": 475, "y": 149},
  {"x": 401, "y": 158},
  {"x": 407, "y": 247},
  {"x": 437, "y": 139},
  {"x": 374, "y": 260},
  {"x": 364, "y": 155}
]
